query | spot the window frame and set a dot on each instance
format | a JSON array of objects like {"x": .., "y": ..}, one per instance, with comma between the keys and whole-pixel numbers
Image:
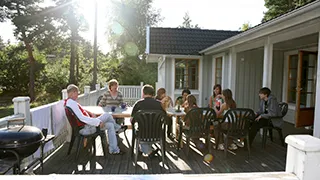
[
  {"x": 220, "y": 58},
  {"x": 197, "y": 75}
]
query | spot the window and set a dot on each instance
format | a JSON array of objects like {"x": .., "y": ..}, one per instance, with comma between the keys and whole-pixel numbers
[
  {"x": 292, "y": 78},
  {"x": 218, "y": 77},
  {"x": 186, "y": 73}
]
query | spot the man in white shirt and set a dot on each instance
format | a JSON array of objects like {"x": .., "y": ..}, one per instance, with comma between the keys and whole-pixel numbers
[{"x": 105, "y": 121}]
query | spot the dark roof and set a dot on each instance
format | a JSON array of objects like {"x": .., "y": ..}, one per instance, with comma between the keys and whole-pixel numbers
[{"x": 184, "y": 41}]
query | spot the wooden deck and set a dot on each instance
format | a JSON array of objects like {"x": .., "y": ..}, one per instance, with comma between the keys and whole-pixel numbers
[{"x": 270, "y": 159}]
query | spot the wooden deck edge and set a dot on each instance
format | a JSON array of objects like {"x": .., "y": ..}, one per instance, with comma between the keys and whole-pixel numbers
[{"x": 225, "y": 176}]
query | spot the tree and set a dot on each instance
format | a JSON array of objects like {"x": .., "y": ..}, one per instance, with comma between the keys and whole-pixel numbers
[
  {"x": 127, "y": 36},
  {"x": 279, "y": 7},
  {"x": 72, "y": 22},
  {"x": 245, "y": 26},
  {"x": 30, "y": 21},
  {"x": 187, "y": 22}
]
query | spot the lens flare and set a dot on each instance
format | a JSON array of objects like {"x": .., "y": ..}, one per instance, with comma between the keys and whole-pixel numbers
[
  {"x": 117, "y": 29},
  {"x": 208, "y": 158},
  {"x": 131, "y": 49}
]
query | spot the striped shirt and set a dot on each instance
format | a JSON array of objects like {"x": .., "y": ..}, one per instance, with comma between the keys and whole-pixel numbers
[{"x": 108, "y": 100}]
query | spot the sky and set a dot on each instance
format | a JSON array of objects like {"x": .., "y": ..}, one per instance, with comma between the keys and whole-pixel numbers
[{"x": 208, "y": 14}]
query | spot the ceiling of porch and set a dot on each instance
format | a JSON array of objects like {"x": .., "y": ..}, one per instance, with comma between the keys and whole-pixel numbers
[{"x": 301, "y": 42}]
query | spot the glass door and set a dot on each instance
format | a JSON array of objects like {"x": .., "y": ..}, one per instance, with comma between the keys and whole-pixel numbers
[{"x": 303, "y": 67}]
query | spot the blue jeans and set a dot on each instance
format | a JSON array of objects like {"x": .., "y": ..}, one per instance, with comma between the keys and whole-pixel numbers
[{"x": 111, "y": 126}]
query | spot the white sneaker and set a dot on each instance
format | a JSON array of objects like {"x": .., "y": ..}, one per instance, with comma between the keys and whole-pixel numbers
[
  {"x": 221, "y": 147},
  {"x": 233, "y": 147},
  {"x": 239, "y": 143}
]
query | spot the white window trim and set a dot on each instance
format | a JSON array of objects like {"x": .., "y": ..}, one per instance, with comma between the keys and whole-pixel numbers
[{"x": 213, "y": 80}]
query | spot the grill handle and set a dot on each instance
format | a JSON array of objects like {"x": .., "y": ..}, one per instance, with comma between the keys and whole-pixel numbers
[{"x": 16, "y": 121}]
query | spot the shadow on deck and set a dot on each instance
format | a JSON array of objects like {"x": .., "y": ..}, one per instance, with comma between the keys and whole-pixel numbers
[{"x": 270, "y": 159}]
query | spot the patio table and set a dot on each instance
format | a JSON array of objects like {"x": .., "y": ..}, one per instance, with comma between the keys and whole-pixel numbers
[{"x": 118, "y": 113}]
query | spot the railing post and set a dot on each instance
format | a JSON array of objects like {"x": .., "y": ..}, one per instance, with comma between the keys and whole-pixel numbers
[
  {"x": 64, "y": 94},
  {"x": 141, "y": 84},
  {"x": 86, "y": 90},
  {"x": 303, "y": 156},
  {"x": 22, "y": 106},
  {"x": 97, "y": 87}
]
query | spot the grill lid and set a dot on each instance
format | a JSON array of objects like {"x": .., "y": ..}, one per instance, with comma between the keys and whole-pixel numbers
[{"x": 19, "y": 136}]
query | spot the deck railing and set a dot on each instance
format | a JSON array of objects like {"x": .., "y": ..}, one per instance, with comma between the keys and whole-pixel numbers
[
  {"x": 52, "y": 116},
  {"x": 303, "y": 154}
]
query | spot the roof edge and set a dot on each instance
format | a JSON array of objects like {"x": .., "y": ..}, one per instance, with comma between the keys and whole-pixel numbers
[{"x": 291, "y": 14}]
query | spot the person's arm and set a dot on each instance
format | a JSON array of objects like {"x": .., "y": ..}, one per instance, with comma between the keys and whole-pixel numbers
[
  {"x": 272, "y": 109},
  {"x": 103, "y": 101},
  {"x": 120, "y": 96},
  {"x": 88, "y": 120},
  {"x": 260, "y": 110},
  {"x": 210, "y": 102},
  {"x": 220, "y": 111}
]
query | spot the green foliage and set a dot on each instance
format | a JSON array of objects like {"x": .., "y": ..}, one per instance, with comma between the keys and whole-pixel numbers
[
  {"x": 245, "y": 26},
  {"x": 127, "y": 33},
  {"x": 14, "y": 69},
  {"x": 187, "y": 22},
  {"x": 279, "y": 7}
]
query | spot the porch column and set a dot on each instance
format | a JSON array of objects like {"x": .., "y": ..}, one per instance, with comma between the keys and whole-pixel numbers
[
  {"x": 232, "y": 70},
  {"x": 316, "y": 124},
  {"x": 267, "y": 64}
]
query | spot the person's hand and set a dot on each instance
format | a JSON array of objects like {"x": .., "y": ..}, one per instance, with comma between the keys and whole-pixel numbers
[
  {"x": 101, "y": 125},
  {"x": 258, "y": 118}
]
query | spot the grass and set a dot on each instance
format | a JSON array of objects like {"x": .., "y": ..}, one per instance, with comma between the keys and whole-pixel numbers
[{"x": 6, "y": 110}]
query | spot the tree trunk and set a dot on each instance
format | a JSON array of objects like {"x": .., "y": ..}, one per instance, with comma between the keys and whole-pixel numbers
[
  {"x": 32, "y": 68},
  {"x": 72, "y": 57},
  {"x": 77, "y": 64},
  {"x": 94, "y": 80},
  {"x": 30, "y": 57}
]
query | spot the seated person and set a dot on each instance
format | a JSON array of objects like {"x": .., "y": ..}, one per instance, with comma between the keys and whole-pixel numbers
[
  {"x": 216, "y": 99},
  {"x": 191, "y": 103},
  {"x": 105, "y": 121},
  {"x": 166, "y": 102},
  {"x": 228, "y": 104},
  {"x": 113, "y": 97},
  {"x": 147, "y": 103},
  {"x": 268, "y": 108},
  {"x": 181, "y": 100}
]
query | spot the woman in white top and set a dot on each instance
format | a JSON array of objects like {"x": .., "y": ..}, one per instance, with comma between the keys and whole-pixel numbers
[{"x": 228, "y": 104}]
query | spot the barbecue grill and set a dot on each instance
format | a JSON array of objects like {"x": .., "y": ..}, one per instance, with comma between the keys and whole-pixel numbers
[{"x": 19, "y": 141}]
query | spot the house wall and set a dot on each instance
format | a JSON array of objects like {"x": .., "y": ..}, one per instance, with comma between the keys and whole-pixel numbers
[
  {"x": 249, "y": 78},
  {"x": 207, "y": 77},
  {"x": 277, "y": 74}
]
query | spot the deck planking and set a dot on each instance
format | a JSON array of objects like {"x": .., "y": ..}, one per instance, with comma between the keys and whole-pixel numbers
[{"x": 270, "y": 159}]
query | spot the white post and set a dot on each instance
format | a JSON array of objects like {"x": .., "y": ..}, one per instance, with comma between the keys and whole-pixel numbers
[
  {"x": 86, "y": 90},
  {"x": 97, "y": 87},
  {"x": 22, "y": 106},
  {"x": 232, "y": 70},
  {"x": 267, "y": 64},
  {"x": 316, "y": 124},
  {"x": 303, "y": 156},
  {"x": 141, "y": 84},
  {"x": 64, "y": 94}
]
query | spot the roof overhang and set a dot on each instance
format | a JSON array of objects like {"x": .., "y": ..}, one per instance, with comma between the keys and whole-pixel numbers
[
  {"x": 154, "y": 58},
  {"x": 290, "y": 19}
]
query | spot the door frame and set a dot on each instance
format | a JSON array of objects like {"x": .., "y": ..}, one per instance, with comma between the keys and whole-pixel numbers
[{"x": 308, "y": 112}]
